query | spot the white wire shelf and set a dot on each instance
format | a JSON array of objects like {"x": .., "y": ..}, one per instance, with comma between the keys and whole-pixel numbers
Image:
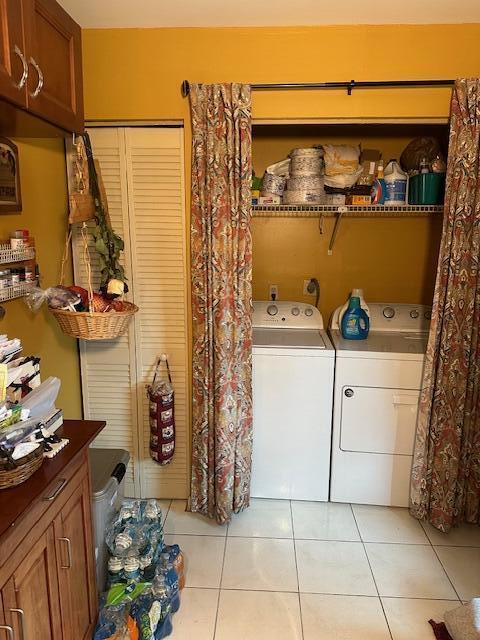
[
  {"x": 349, "y": 211},
  {"x": 18, "y": 291},
  {"x": 9, "y": 255}
]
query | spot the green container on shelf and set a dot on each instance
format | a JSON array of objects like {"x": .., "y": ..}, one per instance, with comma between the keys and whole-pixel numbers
[{"x": 426, "y": 189}]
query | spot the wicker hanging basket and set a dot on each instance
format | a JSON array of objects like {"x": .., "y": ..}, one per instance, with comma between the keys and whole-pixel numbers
[
  {"x": 23, "y": 469},
  {"x": 92, "y": 325}
]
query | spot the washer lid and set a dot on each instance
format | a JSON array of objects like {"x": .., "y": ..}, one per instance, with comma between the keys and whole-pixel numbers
[
  {"x": 380, "y": 344},
  {"x": 288, "y": 338}
]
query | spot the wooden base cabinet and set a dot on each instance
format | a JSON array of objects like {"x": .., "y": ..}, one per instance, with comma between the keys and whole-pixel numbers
[
  {"x": 73, "y": 539},
  {"x": 47, "y": 578},
  {"x": 31, "y": 596}
]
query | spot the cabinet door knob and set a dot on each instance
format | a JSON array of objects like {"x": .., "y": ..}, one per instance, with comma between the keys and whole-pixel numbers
[
  {"x": 349, "y": 393},
  {"x": 21, "y": 613},
  {"x": 39, "y": 86},
  {"x": 69, "y": 553},
  {"x": 9, "y": 630},
  {"x": 21, "y": 83}
]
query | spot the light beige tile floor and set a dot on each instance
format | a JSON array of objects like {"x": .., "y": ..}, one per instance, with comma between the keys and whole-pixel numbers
[{"x": 312, "y": 571}]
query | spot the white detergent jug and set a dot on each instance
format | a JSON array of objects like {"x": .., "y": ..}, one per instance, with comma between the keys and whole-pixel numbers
[
  {"x": 356, "y": 293},
  {"x": 396, "y": 185}
]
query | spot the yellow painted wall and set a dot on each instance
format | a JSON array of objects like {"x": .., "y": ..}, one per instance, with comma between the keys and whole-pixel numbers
[
  {"x": 136, "y": 74},
  {"x": 43, "y": 183}
]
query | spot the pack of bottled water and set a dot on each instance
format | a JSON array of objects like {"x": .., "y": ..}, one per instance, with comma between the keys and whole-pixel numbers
[{"x": 145, "y": 576}]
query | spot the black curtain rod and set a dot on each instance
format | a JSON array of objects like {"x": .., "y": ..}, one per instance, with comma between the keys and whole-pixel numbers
[{"x": 349, "y": 86}]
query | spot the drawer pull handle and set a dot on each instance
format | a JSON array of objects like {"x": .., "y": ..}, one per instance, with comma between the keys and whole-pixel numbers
[
  {"x": 9, "y": 630},
  {"x": 21, "y": 83},
  {"x": 21, "y": 613},
  {"x": 349, "y": 393},
  {"x": 69, "y": 553},
  {"x": 63, "y": 482},
  {"x": 39, "y": 86}
]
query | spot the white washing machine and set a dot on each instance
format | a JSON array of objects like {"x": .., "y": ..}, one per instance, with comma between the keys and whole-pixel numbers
[
  {"x": 377, "y": 388},
  {"x": 293, "y": 365}
]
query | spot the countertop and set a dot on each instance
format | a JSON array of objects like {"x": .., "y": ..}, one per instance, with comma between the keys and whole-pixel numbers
[{"x": 15, "y": 501}]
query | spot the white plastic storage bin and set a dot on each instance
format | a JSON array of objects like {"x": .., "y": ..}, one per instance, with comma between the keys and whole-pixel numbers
[{"x": 108, "y": 467}]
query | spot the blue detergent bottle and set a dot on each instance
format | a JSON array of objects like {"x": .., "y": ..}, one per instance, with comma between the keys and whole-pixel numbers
[{"x": 355, "y": 321}]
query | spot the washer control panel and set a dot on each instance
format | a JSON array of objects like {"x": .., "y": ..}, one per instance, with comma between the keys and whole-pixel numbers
[
  {"x": 280, "y": 314},
  {"x": 394, "y": 317}
]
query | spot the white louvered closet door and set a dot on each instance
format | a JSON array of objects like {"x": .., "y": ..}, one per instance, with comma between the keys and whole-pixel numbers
[{"x": 143, "y": 169}]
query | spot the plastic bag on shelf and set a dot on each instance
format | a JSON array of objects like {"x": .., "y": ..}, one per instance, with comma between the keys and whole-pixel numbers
[
  {"x": 41, "y": 400},
  {"x": 55, "y": 297},
  {"x": 341, "y": 159}
]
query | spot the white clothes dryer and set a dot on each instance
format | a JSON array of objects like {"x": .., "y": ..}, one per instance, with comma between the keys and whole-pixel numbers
[
  {"x": 377, "y": 389},
  {"x": 293, "y": 365}
]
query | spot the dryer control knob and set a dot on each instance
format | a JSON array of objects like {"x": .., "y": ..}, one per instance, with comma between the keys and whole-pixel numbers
[
  {"x": 428, "y": 315},
  {"x": 272, "y": 309},
  {"x": 389, "y": 312},
  {"x": 414, "y": 314},
  {"x": 349, "y": 393},
  {"x": 308, "y": 312},
  {"x": 295, "y": 311}
]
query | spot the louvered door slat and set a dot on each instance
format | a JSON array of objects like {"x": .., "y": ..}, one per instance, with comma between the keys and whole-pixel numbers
[
  {"x": 156, "y": 203},
  {"x": 108, "y": 366},
  {"x": 143, "y": 172}
]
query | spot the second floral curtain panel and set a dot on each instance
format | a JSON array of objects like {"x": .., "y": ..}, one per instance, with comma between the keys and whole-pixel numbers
[
  {"x": 221, "y": 254},
  {"x": 445, "y": 486}
]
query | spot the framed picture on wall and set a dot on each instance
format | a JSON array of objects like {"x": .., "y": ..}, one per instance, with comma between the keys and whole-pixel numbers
[{"x": 10, "y": 194}]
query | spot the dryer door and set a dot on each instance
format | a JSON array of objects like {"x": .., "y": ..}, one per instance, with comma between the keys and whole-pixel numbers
[{"x": 377, "y": 420}]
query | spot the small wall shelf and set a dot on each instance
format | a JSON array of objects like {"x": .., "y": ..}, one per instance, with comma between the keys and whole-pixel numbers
[
  {"x": 18, "y": 291},
  {"x": 348, "y": 211},
  {"x": 9, "y": 255}
]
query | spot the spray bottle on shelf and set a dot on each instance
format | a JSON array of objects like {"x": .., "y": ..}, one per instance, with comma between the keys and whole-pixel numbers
[
  {"x": 396, "y": 185},
  {"x": 379, "y": 187}
]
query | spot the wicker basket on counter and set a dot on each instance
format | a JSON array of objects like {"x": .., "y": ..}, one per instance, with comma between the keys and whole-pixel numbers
[
  {"x": 94, "y": 325},
  {"x": 23, "y": 469}
]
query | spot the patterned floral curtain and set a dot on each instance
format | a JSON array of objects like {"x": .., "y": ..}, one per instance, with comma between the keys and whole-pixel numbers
[
  {"x": 221, "y": 253},
  {"x": 445, "y": 486}
]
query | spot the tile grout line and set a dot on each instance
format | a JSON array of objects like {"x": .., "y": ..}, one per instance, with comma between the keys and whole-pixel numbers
[
  {"x": 296, "y": 569},
  {"x": 441, "y": 563},
  {"x": 446, "y": 573},
  {"x": 168, "y": 510},
  {"x": 220, "y": 584},
  {"x": 371, "y": 571}
]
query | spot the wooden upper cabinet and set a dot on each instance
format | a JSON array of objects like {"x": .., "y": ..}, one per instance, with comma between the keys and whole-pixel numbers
[
  {"x": 54, "y": 54},
  {"x": 13, "y": 61}
]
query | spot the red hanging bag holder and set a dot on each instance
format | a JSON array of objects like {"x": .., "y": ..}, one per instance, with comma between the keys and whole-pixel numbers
[{"x": 161, "y": 398}]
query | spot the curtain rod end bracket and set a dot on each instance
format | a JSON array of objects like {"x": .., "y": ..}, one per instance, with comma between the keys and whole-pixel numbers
[{"x": 185, "y": 88}]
